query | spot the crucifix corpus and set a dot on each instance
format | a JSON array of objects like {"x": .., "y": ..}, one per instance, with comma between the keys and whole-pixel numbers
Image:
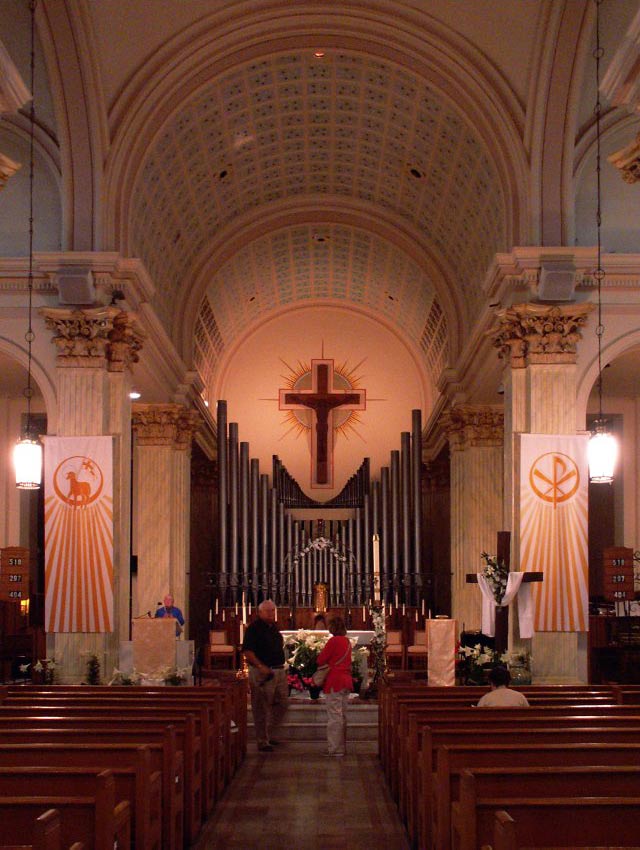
[
  {"x": 502, "y": 612},
  {"x": 322, "y": 400}
]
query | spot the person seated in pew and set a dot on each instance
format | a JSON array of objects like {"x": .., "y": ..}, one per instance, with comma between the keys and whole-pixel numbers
[{"x": 501, "y": 695}]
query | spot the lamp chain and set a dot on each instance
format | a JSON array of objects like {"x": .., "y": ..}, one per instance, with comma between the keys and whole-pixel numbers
[
  {"x": 598, "y": 53},
  {"x": 29, "y": 336}
]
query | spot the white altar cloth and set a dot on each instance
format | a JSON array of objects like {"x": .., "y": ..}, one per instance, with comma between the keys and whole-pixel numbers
[{"x": 364, "y": 638}]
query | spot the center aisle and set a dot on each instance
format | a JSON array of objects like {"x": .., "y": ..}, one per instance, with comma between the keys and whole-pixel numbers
[{"x": 295, "y": 800}]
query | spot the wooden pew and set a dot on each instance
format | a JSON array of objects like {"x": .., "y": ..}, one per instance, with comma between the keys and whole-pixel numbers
[
  {"x": 434, "y": 739},
  {"x": 132, "y": 771},
  {"x": 404, "y": 789},
  {"x": 555, "y": 822},
  {"x": 394, "y": 700},
  {"x": 46, "y": 834},
  {"x": 164, "y": 752},
  {"x": 117, "y": 723},
  {"x": 198, "y": 738},
  {"x": 226, "y": 701},
  {"x": 453, "y": 759},
  {"x": 95, "y": 819}
]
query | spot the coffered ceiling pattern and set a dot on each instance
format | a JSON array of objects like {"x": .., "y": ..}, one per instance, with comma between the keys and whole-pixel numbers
[
  {"x": 319, "y": 263},
  {"x": 341, "y": 126}
]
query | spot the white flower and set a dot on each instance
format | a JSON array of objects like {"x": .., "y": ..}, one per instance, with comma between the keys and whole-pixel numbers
[{"x": 38, "y": 667}]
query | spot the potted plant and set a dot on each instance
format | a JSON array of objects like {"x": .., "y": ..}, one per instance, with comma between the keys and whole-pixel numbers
[{"x": 519, "y": 663}]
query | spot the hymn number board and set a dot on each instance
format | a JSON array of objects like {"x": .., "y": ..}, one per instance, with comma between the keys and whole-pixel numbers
[
  {"x": 618, "y": 574},
  {"x": 14, "y": 574}
]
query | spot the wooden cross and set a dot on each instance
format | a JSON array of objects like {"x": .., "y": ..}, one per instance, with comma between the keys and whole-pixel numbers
[
  {"x": 503, "y": 553},
  {"x": 322, "y": 400}
]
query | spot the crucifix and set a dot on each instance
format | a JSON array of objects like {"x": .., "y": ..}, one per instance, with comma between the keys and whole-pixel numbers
[
  {"x": 322, "y": 400},
  {"x": 503, "y": 555}
]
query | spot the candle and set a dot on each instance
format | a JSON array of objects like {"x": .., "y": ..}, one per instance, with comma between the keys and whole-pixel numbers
[
  {"x": 403, "y": 609},
  {"x": 241, "y": 632},
  {"x": 210, "y": 615},
  {"x": 423, "y": 607},
  {"x": 429, "y": 613},
  {"x": 224, "y": 614},
  {"x": 249, "y": 609},
  {"x": 276, "y": 615},
  {"x": 396, "y": 600},
  {"x": 236, "y": 609},
  {"x": 416, "y": 615},
  {"x": 216, "y": 606},
  {"x": 376, "y": 568}
]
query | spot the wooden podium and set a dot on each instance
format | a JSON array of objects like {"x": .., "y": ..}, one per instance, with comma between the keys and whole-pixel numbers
[{"x": 154, "y": 644}]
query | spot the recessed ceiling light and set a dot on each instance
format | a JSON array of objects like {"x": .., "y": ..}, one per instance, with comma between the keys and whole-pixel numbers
[
  {"x": 319, "y": 54},
  {"x": 415, "y": 171},
  {"x": 134, "y": 394}
]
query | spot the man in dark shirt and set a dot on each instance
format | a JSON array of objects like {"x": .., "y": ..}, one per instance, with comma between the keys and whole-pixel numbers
[{"x": 263, "y": 648}]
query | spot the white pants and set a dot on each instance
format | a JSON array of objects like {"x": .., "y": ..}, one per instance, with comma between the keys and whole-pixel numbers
[{"x": 337, "y": 702}]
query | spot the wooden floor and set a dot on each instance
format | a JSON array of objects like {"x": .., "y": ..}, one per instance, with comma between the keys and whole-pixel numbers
[{"x": 292, "y": 799}]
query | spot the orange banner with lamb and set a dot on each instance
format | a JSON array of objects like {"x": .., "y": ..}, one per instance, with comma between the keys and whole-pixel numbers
[{"x": 78, "y": 534}]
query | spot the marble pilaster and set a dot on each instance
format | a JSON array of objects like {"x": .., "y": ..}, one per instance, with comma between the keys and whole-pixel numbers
[
  {"x": 93, "y": 387},
  {"x": 162, "y": 473},
  {"x": 475, "y": 439},
  {"x": 539, "y": 344}
]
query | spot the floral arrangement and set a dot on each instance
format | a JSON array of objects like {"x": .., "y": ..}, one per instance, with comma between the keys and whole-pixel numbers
[
  {"x": 359, "y": 658},
  {"x": 376, "y": 647},
  {"x": 175, "y": 676},
  {"x": 44, "y": 670},
  {"x": 496, "y": 574},
  {"x": 472, "y": 663},
  {"x": 121, "y": 678},
  {"x": 303, "y": 649}
]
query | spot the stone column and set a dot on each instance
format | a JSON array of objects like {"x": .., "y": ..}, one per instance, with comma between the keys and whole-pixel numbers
[
  {"x": 539, "y": 344},
  {"x": 162, "y": 474},
  {"x": 96, "y": 346},
  {"x": 476, "y": 445}
]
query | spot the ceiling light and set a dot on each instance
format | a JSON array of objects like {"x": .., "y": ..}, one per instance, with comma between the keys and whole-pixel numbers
[
  {"x": 135, "y": 394},
  {"x": 27, "y": 454}
]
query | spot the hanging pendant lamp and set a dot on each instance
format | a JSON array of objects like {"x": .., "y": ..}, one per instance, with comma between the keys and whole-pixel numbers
[
  {"x": 603, "y": 446},
  {"x": 27, "y": 454}
]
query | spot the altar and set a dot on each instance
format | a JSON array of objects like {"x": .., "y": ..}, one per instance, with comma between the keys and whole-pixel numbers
[{"x": 363, "y": 638}]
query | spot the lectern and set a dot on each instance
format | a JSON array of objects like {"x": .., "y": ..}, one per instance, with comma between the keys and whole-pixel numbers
[{"x": 154, "y": 644}]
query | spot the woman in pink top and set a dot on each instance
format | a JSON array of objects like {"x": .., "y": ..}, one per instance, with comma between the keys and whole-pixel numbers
[{"x": 337, "y": 686}]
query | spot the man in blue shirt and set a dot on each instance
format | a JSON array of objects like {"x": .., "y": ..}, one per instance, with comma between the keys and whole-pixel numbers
[{"x": 170, "y": 610}]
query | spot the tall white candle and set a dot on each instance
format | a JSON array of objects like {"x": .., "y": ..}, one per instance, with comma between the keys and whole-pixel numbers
[
  {"x": 376, "y": 568},
  {"x": 216, "y": 606},
  {"x": 423, "y": 607}
]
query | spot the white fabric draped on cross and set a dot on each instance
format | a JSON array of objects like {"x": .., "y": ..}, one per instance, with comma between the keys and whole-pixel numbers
[{"x": 514, "y": 588}]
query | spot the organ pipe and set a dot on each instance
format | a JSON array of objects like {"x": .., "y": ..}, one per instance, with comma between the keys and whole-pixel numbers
[
  {"x": 233, "y": 507},
  {"x": 416, "y": 463},
  {"x": 395, "y": 517},
  {"x": 405, "y": 489},
  {"x": 222, "y": 494}
]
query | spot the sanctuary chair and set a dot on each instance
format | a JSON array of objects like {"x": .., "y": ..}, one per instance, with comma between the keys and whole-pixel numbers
[
  {"x": 395, "y": 648},
  {"x": 220, "y": 649},
  {"x": 418, "y": 649}
]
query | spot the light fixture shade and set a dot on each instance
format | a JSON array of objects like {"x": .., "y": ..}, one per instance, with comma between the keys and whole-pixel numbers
[
  {"x": 27, "y": 459},
  {"x": 603, "y": 455}
]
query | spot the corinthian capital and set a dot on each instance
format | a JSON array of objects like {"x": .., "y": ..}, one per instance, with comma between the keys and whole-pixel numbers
[
  {"x": 540, "y": 333},
  {"x": 125, "y": 341},
  {"x": 164, "y": 425},
  {"x": 474, "y": 425},
  {"x": 94, "y": 336}
]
